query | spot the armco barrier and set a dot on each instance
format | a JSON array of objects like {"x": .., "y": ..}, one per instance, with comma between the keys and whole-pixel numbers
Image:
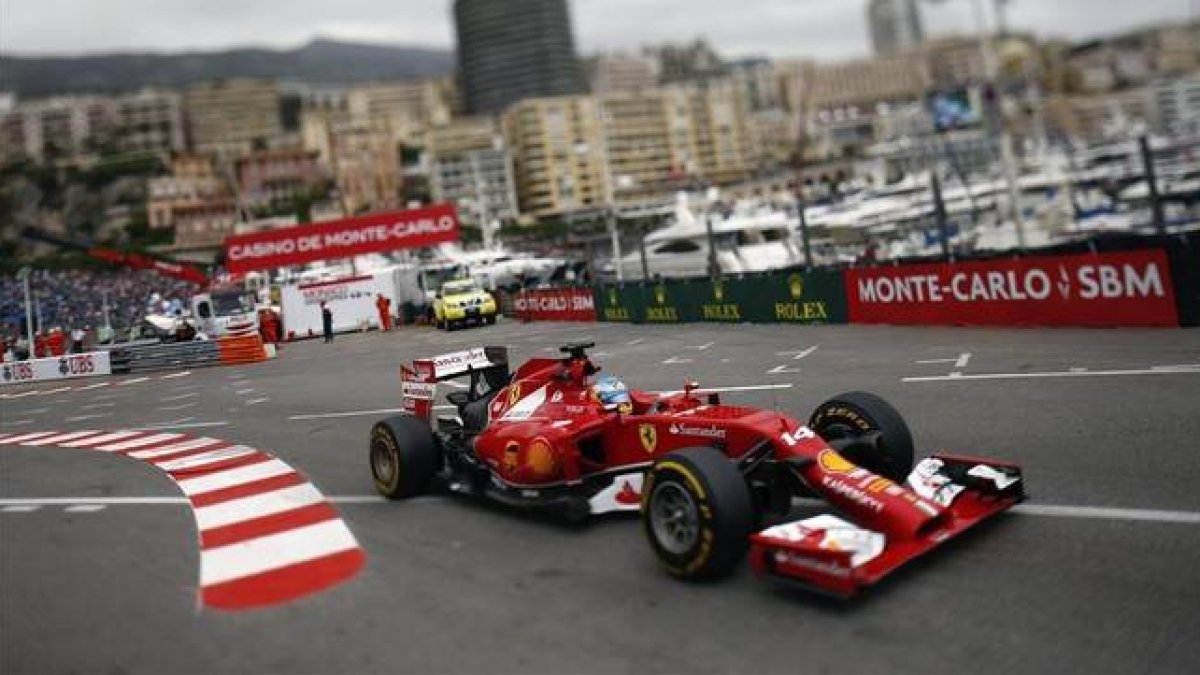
[
  {"x": 1124, "y": 288},
  {"x": 182, "y": 355},
  {"x": 816, "y": 297}
]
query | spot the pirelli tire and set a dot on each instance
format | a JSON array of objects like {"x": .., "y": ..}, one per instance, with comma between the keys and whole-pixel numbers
[
  {"x": 887, "y": 449},
  {"x": 697, "y": 514},
  {"x": 404, "y": 457}
]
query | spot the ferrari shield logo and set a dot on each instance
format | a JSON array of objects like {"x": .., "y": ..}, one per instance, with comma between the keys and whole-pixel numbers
[{"x": 649, "y": 435}]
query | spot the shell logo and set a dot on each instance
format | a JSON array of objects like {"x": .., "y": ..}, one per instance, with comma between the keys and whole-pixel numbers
[
  {"x": 511, "y": 451},
  {"x": 834, "y": 463},
  {"x": 540, "y": 460}
]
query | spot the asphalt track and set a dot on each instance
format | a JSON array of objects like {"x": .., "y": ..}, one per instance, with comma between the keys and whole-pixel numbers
[{"x": 1098, "y": 574}]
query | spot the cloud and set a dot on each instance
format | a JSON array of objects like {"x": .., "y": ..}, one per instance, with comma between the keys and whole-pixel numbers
[{"x": 781, "y": 28}]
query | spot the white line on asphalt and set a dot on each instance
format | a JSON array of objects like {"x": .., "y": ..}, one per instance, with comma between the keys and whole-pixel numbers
[
  {"x": 98, "y": 385},
  {"x": 17, "y": 423},
  {"x": 702, "y": 348},
  {"x": 636, "y": 342},
  {"x": 182, "y": 424},
  {"x": 1036, "y": 510},
  {"x": 37, "y": 411},
  {"x": 84, "y": 418},
  {"x": 256, "y": 401},
  {"x": 136, "y": 380},
  {"x": 800, "y": 355},
  {"x": 93, "y": 406},
  {"x": 1032, "y": 376},
  {"x": 724, "y": 390},
  {"x": 1107, "y": 513},
  {"x": 360, "y": 413},
  {"x": 177, "y": 448},
  {"x": 177, "y": 408},
  {"x": 21, "y": 508},
  {"x": 243, "y": 392},
  {"x": 61, "y": 438},
  {"x": 174, "y": 376},
  {"x": 675, "y": 361},
  {"x": 257, "y": 506},
  {"x": 930, "y": 362},
  {"x": 963, "y": 360},
  {"x": 179, "y": 397},
  {"x": 783, "y": 370},
  {"x": 85, "y": 508}
]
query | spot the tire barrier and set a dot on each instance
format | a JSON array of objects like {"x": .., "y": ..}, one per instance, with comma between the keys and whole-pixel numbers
[{"x": 187, "y": 355}]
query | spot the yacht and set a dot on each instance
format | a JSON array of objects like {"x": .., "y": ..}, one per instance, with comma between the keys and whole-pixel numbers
[{"x": 749, "y": 237}]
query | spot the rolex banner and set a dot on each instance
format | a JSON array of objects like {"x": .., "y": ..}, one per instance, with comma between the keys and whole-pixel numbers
[{"x": 783, "y": 297}]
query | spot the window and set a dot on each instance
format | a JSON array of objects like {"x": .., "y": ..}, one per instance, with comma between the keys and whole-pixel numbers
[{"x": 679, "y": 246}]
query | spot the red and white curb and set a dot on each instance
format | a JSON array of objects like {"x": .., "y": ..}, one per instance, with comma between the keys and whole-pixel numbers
[{"x": 267, "y": 535}]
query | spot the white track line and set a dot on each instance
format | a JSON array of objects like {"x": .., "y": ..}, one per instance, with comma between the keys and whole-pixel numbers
[
  {"x": 136, "y": 380},
  {"x": 359, "y": 413},
  {"x": 1035, "y": 510},
  {"x": 727, "y": 390},
  {"x": 182, "y": 425},
  {"x": 1034, "y": 376},
  {"x": 174, "y": 376}
]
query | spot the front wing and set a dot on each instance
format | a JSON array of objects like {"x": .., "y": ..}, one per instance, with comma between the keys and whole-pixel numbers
[{"x": 832, "y": 555}]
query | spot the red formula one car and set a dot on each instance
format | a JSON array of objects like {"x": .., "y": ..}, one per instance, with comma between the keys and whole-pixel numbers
[{"x": 704, "y": 475}]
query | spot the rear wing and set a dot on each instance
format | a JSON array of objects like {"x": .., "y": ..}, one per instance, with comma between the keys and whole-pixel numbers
[{"x": 419, "y": 383}]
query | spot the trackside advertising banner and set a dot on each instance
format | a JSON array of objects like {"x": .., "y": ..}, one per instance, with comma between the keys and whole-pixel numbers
[
  {"x": 68, "y": 367},
  {"x": 559, "y": 304},
  {"x": 375, "y": 233},
  {"x": 1128, "y": 288}
]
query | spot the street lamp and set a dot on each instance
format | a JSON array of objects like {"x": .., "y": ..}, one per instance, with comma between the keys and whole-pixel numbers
[{"x": 711, "y": 197}]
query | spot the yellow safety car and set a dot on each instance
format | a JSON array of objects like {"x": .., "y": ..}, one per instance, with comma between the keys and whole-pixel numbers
[{"x": 462, "y": 302}]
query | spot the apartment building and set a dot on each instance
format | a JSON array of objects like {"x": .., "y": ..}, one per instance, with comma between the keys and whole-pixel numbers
[
  {"x": 406, "y": 108},
  {"x": 558, "y": 155},
  {"x": 362, "y": 156},
  {"x": 471, "y": 166},
  {"x": 233, "y": 117},
  {"x": 150, "y": 121}
]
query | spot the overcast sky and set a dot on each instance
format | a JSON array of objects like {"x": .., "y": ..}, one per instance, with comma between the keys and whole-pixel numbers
[{"x": 827, "y": 29}]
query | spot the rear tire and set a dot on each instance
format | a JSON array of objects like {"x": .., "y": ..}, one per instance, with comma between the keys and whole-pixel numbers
[
  {"x": 697, "y": 514},
  {"x": 404, "y": 457},
  {"x": 859, "y": 413}
]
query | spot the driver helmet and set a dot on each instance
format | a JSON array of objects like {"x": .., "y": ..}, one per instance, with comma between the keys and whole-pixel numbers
[{"x": 611, "y": 393}]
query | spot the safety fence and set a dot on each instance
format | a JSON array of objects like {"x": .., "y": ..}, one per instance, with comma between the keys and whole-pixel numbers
[
  {"x": 186, "y": 355},
  {"x": 1119, "y": 281}
]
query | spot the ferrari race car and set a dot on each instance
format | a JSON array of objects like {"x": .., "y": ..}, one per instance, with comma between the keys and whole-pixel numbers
[
  {"x": 706, "y": 477},
  {"x": 462, "y": 302}
]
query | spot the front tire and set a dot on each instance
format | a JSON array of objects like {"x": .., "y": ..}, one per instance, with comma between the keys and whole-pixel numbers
[
  {"x": 697, "y": 514},
  {"x": 404, "y": 457},
  {"x": 846, "y": 417}
]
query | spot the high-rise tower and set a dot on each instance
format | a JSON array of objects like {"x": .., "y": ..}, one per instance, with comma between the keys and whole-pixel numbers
[{"x": 514, "y": 50}]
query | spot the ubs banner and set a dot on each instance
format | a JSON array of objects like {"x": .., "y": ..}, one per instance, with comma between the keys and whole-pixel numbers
[
  {"x": 69, "y": 367},
  {"x": 1128, "y": 288}
]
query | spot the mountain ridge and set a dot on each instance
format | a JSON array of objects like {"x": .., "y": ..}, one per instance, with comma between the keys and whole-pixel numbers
[{"x": 320, "y": 60}]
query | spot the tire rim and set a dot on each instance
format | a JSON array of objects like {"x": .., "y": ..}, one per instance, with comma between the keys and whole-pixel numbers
[
  {"x": 383, "y": 462},
  {"x": 674, "y": 518}
]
